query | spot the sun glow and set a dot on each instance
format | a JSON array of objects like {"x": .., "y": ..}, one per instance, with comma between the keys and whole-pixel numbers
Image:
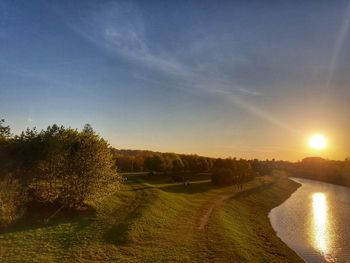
[{"x": 317, "y": 142}]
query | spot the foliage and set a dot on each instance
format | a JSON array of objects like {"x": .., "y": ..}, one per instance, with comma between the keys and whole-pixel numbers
[
  {"x": 130, "y": 160},
  {"x": 336, "y": 172},
  {"x": 12, "y": 201},
  {"x": 261, "y": 168},
  {"x": 60, "y": 165},
  {"x": 5, "y": 131},
  {"x": 155, "y": 163},
  {"x": 232, "y": 171},
  {"x": 90, "y": 168},
  {"x": 223, "y": 176},
  {"x": 135, "y": 161}
]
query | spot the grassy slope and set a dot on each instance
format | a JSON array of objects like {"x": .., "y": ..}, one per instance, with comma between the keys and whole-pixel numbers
[
  {"x": 156, "y": 220},
  {"x": 242, "y": 225}
]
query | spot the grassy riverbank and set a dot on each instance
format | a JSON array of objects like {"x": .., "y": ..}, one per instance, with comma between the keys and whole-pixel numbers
[
  {"x": 243, "y": 225},
  {"x": 152, "y": 220}
]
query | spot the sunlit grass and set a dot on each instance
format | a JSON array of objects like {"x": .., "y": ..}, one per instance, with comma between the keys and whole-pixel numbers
[{"x": 156, "y": 220}]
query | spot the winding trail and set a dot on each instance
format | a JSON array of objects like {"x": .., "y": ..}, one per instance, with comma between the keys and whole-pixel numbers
[
  {"x": 222, "y": 198},
  {"x": 204, "y": 219}
]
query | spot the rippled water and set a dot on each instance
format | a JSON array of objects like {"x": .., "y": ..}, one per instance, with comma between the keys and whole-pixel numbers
[{"x": 315, "y": 221}]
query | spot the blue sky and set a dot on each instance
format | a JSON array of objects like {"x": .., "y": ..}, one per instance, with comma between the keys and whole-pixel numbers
[{"x": 229, "y": 78}]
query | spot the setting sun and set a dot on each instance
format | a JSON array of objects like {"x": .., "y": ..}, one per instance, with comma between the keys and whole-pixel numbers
[{"x": 317, "y": 142}]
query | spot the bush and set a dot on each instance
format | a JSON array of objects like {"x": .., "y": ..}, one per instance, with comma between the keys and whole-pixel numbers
[
  {"x": 62, "y": 165},
  {"x": 12, "y": 201},
  {"x": 90, "y": 168},
  {"x": 155, "y": 163},
  {"x": 232, "y": 171},
  {"x": 223, "y": 176}
]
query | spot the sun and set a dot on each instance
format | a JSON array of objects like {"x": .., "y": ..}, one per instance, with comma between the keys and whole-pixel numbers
[{"x": 317, "y": 142}]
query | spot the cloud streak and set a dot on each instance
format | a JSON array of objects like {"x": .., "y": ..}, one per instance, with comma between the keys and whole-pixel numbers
[
  {"x": 119, "y": 28},
  {"x": 339, "y": 43}
]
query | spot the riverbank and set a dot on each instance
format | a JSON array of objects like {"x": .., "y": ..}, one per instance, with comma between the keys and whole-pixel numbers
[
  {"x": 156, "y": 220},
  {"x": 243, "y": 225}
]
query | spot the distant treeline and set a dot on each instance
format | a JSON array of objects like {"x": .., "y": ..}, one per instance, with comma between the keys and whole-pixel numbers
[
  {"x": 231, "y": 170},
  {"x": 316, "y": 168},
  {"x": 147, "y": 161},
  {"x": 224, "y": 171}
]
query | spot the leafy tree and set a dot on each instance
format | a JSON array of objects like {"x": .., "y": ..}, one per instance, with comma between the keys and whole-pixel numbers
[
  {"x": 5, "y": 131},
  {"x": 155, "y": 163},
  {"x": 231, "y": 171},
  {"x": 90, "y": 168},
  {"x": 62, "y": 165},
  {"x": 88, "y": 128},
  {"x": 224, "y": 176}
]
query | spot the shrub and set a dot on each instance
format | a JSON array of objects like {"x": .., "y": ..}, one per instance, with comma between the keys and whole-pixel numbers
[
  {"x": 12, "y": 201},
  {"x": 223, "y": 176},
  {"x": 155, "y": 163},
  {"x": 232, "y": 171},
  {"x": 62, "y": 165},
  {"x": 89, "y": 170}
]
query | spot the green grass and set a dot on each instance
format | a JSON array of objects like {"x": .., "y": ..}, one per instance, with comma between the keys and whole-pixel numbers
[
  {"x": 155, "y": 220},
  {"x": 242, "y": 225}
]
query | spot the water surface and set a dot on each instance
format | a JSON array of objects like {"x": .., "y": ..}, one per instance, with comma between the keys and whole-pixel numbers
[{"x": 315, "y": 221}]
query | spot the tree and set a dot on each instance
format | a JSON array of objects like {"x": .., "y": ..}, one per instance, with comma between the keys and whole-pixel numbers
[
  {"x": 5, "y": 131},
  {"x": 88, "y": 128},
  {"x": 155, "y": 163},
  {"x": 231, "y": 171},
  {"x": 62, "y": 165},
  {"x": 177, "y": 165},
  {"x": 223, "y": 176},
  {"x": 89, "y": 170}
]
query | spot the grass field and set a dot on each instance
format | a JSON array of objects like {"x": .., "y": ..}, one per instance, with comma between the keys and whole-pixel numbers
[{"x": 156, "y": 220}]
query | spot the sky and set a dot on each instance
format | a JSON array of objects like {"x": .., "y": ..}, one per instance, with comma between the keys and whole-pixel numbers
[{"x": 247, "y": 79}]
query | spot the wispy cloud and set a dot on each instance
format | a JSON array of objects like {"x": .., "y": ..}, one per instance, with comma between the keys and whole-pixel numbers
[
  {"x": 338, "y": 45},
  {"x": 249, "y": 91},
  {"x": 119, "y": 28}
]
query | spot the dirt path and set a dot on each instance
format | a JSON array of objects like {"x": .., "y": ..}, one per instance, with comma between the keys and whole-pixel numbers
[{"x": 204, "y": 219}]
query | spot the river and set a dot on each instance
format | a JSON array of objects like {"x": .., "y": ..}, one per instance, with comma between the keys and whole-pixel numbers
[{"x": 315, "y": 221}]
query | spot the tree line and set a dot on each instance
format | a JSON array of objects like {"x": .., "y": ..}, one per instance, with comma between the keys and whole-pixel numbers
[
  {"x": 316, "y": 168},
  {"x": 238, "y": 171},
  {"x": 224, "y": 171},
  {"x": 58, "y": 165},
  {"x": 70, "y": 169},
  {"x": 148, "y": 161}
]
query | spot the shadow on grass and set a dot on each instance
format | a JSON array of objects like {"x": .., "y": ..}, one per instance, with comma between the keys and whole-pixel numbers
[
  {"x": 141, "y": 188},
  {"x": 36, "y": 219},
  {"x": 194, "y": 187},
  {"x": 168, "y": 178},
  {"x": 119, "y": 234},
  {"x": 193, "y": 183}
]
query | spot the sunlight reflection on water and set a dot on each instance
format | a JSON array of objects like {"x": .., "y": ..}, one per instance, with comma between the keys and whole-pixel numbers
[
  {"x": 314, "y": 222},
  {"x": 320, "y": 234}
]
